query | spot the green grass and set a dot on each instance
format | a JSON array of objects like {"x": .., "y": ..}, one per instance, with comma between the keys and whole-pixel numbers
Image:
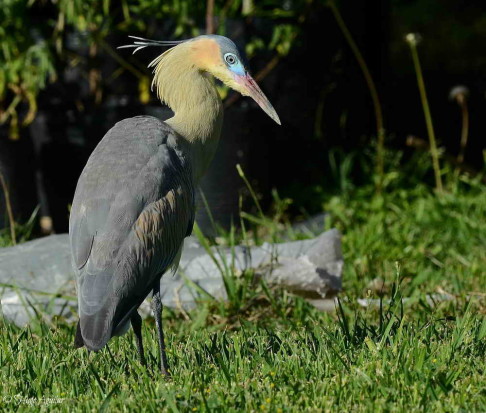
[
  {"x": 428, "y": 360},
  {"x": 270, "y": 351}
]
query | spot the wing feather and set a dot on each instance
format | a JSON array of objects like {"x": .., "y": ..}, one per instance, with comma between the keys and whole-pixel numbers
[{"x": 132, "y": 209}]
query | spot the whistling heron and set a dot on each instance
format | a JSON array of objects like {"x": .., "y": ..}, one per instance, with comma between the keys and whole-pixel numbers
[{"x": 134, "y": 201}]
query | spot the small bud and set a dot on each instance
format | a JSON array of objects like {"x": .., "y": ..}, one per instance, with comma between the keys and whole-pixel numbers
[
  {"x": 459, "y": 94},
  {"x": 413, "y": 39}
]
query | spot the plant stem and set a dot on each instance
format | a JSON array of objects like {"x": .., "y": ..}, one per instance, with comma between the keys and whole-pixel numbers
[
  {"x": 380, "y": 128},
  {"x": 464, "y": 131},
  {"x": 210, "y": 17},
  {"x": 250, "y": 188},
  {"x": 421, "y": 144},
  {"x": 11, "y": 109},
  {"x": 428, "y": 117},
  {"x": 8, "y": 206}
]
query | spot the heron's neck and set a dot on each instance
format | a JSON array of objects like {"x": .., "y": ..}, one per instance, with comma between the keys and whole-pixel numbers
[{"x": 198, "y": 111}]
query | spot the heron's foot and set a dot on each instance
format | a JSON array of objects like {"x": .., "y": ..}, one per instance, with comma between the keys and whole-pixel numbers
[
  {"x": 164, "y": 365},
  {"x": 166, "y": 373}
]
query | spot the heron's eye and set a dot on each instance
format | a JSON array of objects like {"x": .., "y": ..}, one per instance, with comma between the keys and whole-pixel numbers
[{"x": 230, "y": 58}]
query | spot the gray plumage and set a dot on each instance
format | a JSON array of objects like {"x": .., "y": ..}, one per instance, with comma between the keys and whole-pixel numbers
[
  {"x": 134, "y": 202},
  {"x": 133, "y": 206}
]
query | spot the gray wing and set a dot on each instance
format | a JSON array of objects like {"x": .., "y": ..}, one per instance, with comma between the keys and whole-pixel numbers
[{"x": 133, "y": 206}]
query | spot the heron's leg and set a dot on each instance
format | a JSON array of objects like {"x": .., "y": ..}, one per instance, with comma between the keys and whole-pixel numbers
[
  {"x": 157, "y": 310},
  {"x": 78, "y": 338},
  {"x": 110, "y": 353},
  {"x": 136, "y": 321}
]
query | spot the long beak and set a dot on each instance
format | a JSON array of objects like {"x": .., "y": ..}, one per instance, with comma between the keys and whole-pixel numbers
[{"x": 250, "y": 88}]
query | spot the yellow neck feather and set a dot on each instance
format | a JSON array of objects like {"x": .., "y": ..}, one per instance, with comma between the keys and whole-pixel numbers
[{"x": 191, "y": 94}]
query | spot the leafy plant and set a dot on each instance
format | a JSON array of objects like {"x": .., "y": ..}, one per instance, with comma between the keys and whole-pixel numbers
[{"x": 34, "y": 51}]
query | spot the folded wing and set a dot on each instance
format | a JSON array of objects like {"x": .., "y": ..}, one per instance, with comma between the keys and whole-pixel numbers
[{"x": 133, "y": 206}]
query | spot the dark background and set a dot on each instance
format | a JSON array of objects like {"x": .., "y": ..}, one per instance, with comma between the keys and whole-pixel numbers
[{"x": 315, "y": 85}]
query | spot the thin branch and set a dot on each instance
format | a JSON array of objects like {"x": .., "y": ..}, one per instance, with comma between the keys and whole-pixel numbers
[{"x": 210, "y": 17}]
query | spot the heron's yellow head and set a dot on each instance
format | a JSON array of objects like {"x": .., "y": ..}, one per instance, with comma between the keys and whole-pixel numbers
[{"x": 220, "y": 57}]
